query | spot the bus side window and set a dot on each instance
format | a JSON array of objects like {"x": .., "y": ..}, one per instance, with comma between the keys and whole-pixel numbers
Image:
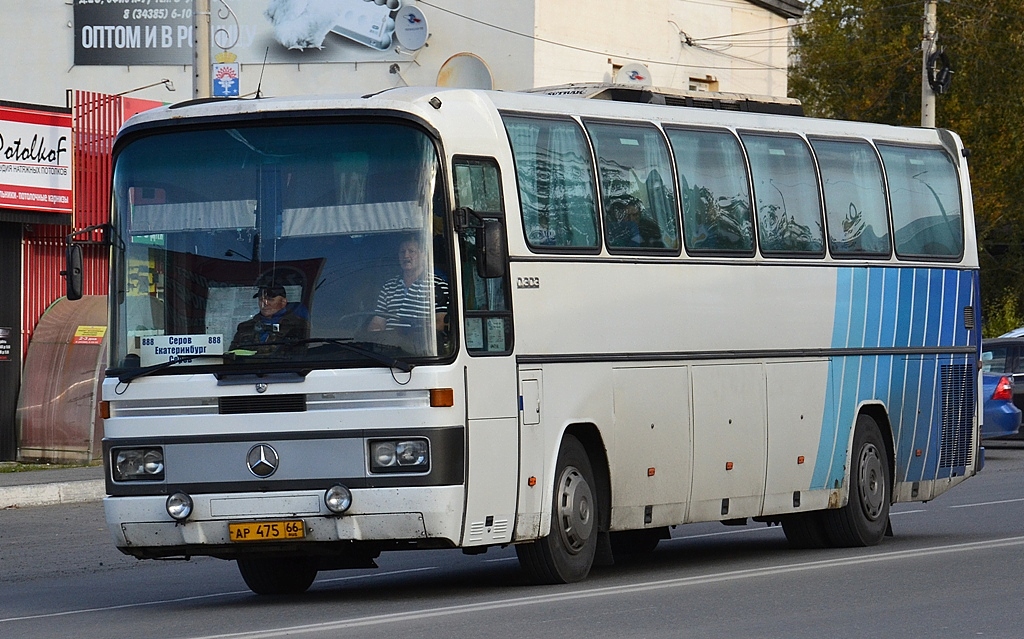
[
  {"x": 639, "y": 204},
  {"x": 786, "y": 192},
  {"x": 487, "y": 318},
  {"x": 714, "y": 190},
  {"x": 556, "y": 183},
  {"x": 925, "y": 194},
  {"x": 855, "y": 209}
]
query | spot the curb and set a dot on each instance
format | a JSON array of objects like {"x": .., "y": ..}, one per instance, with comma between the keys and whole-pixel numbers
[{"x": 68, "y": 492}]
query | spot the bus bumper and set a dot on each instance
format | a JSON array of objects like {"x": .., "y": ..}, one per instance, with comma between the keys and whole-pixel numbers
[{"x": 394, "y": 517}]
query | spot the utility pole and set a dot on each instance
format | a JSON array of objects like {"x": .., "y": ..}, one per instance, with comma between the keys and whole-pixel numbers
[
  {"x": 201, "y": 60},
  {"x": 927, "y": 48}
]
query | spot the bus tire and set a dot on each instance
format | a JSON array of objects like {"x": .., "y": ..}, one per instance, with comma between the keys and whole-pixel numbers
[
  {"x": 865, "y": 518},
  {"x": 805, "y": 530},
  {"x": 566, "y": 554},
  {"x": 277, "y": 575}
]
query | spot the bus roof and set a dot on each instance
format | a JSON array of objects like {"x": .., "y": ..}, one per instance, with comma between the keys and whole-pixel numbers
[
  {"x": 737, "y": 111},
  {"x": 676, "y": 97}
]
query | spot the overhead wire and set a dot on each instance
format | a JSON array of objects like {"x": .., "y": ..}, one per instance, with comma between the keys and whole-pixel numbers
[{"x": 760, "y": 67}]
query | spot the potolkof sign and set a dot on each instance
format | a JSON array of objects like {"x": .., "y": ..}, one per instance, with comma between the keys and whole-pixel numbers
[{"x": 35, "y": 160}]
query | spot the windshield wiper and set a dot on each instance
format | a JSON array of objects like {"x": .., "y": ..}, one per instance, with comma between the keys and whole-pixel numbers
[
  {"x": 136, "y": 373},
  {"x": 346, "y": 343}
]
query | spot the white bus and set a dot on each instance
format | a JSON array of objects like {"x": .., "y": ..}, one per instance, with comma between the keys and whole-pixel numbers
[{"x": 445, "y": 318}]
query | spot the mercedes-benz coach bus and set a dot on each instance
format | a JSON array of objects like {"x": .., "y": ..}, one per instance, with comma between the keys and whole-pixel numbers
[{"x": 446, "y": 318}]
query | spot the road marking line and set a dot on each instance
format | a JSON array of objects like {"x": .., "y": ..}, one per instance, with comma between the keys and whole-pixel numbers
[
  {"x": 532, "y": 600},
  {"x": 198, "y": 597},
  {"x": 727, "y": 532},
  {"x": 447, "y": 611},
  {"x": 989, "y": 503},
  {"x": 376, "y": 574}
]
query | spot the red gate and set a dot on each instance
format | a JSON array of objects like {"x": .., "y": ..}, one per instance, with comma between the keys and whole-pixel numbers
[{"x": 96, "y": 119}]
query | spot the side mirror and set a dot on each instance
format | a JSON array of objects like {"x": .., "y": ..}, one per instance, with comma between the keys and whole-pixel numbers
[
  {"x": 493, "y": 251},
  {"x": 73, "y": 273}
]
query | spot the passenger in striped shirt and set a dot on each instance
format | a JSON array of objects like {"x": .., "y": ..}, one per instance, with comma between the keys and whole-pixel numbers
[{"x": 404, "y": 300}]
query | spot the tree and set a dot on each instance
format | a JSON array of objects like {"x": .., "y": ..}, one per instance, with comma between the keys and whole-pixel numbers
[{"x": 861, "y": 60}]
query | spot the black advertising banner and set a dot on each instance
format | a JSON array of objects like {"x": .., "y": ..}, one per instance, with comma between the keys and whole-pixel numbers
[
  {"x": 129, "y": 32},
  {"x": 6, "y": 337}
]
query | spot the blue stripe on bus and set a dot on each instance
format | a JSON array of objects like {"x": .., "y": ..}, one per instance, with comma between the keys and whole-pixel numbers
[
  {"x": 841, "y": 321},
  {"x": 860, "y": 293},
  {"x": 914, "y": 307},
  {"x": 937, "y": 314},
  {"x": 956, "y": 296},
  {"x": 919, "y": 308},
  {"x": 904, "y": 295},
  {"x": 873, "y": 318},
  {"x": 891, "y": 288}
]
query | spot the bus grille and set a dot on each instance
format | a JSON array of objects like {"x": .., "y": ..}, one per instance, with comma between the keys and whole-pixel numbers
[
  {"x": 956, "y": 443},
  {"x": 263, "y": 404}
]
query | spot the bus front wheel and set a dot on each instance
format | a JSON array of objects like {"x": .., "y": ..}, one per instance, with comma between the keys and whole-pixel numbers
[
  {"x": 277, "y": 575},
  {"x": 566, "y": 554},
  {"x": 864, "y": 520}
]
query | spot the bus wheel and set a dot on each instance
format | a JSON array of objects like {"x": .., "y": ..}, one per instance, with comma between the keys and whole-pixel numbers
[
  {"x": 566, "y": 554},
  {"x": 278, "y": 575},
  {"x": 863, "y": 521},
  {"x": 805, "y": 530}
]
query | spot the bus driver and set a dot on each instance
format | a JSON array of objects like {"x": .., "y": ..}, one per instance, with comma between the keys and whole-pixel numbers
[{"x": 277, "y": 323}]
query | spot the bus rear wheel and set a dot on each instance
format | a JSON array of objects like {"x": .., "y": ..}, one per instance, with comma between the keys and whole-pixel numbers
[
  {"x": 864, "y": 520},
  {"x": 277, "y": 575},
  {"x": 566, "y": 554}
]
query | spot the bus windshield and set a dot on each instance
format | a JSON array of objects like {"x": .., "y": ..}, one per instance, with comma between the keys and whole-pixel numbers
[{"x": 269, "y": 245}]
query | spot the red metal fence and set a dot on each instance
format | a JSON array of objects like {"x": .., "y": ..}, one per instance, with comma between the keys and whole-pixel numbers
[{"x": 96, "y": 119}]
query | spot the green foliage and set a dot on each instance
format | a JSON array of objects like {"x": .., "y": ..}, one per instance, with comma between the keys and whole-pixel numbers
[
  {"x": 1003, "y": 315},
  {"x": 861, "y": 60}
]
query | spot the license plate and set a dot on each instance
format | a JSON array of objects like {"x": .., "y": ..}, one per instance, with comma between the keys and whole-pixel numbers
[{"x": 267, "y": 530}]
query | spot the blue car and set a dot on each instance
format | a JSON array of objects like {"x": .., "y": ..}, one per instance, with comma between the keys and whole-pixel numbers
[{"x": 1002, "y": 418}]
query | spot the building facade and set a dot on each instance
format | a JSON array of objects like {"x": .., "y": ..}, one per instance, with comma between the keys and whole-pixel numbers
[{"x": 115, "y": 46}]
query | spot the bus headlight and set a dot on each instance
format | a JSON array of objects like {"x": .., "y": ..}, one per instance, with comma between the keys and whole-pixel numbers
[
  {"x": 338, "y": 499},
  {"x": 135, "y": 464},
  {"x": 399, "y": 455},
  {"x": 179, "y": 506}
]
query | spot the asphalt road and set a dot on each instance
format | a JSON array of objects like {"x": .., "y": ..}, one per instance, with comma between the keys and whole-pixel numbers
[{"x": 953, "y": 569}]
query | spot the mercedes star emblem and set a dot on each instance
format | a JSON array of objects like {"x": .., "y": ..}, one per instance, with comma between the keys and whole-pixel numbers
[{"x": 262, "y": 460}]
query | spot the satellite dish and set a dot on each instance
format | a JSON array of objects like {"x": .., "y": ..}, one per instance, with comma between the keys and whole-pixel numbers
[
  {"x": 411, "y": 28},
  {"x": 465, "y": 71},
  {"x": 634, "y": 73}
]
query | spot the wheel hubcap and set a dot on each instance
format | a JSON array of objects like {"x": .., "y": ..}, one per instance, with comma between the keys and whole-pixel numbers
[
  {"x": 871, "y": 482},
  {"x": 575, "y": 510}
]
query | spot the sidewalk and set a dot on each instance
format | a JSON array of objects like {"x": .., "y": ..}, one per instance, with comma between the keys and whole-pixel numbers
[{"x": 51, "y": 486}]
